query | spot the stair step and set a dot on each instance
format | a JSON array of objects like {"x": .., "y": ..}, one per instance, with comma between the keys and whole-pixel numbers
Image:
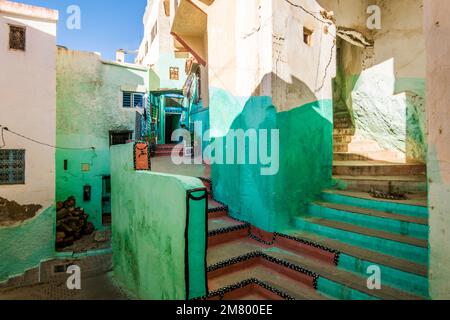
[
  {"x": 371, "y": 232},
  {"x": 340, "y": 148},
  {"x": 397, "y": 273},
  {"x": 216, "y": 209},
  {"x": 376, "y": 168},
  {"x": 404, "y": 247},
  {"x": 336, "y": 283},
  {"x": 341, "y": 139},
  {"x": 328, "y": 278},
  {"x": 372, "y": 219},
  {"x": 238, "y": 260},
  {"x": 223, "y": 229},
  {"x": 345, "y": 131},
  {"x": 373, "y": 213},
  {"x": 363, "y": 254},
  {"x": 248, "y": 290},
  {"x": 417, "y": 183},
  {"x": 416, "y": 205},
  {"x": 276, "y": 280}
]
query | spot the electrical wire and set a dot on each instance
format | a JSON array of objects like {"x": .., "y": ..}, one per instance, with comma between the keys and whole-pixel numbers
[{"x": 36, "y": 141}]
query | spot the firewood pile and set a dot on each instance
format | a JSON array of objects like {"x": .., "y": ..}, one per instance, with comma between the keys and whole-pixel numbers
[{"x": 71, "y": 223}]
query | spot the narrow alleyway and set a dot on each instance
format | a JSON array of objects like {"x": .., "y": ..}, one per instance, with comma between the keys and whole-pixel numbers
[{"x": 99, "y": 287}]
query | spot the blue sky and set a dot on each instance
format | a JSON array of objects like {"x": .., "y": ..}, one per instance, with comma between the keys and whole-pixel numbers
[{"x": 106, "y": 25}]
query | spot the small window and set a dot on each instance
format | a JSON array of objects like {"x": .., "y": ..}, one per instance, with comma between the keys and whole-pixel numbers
[
  {"x": 307, "y": 36},
  {"x": 12, "y": 167},
  {"x": 120, "y": 137},
  {"x": 132, "y": 100},
  {"x": 17, "y": 38},
  {"x": 174, "y": 73}
]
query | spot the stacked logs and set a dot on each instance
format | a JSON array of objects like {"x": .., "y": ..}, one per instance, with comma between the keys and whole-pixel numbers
[{"x": 71, "y": 223}]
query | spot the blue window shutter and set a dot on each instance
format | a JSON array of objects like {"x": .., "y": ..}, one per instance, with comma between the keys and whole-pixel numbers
[{"x": 126, "y": 100}]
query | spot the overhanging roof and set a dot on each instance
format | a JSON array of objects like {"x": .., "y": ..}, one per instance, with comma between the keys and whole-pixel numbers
[{"x": 189, "y": 29}]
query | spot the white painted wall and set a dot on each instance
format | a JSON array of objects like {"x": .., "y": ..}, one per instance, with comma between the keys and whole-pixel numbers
[
  {"x": 28, "y": 99},
  {"x": 160, "y": 56},
  {"x": 437, "y": 31},
  {"x": 261, "y": 51}
]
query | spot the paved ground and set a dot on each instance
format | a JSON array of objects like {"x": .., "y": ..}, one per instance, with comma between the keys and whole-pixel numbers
[
  {"x": 100, "y": 287},
  {"x": 165, "y": 165}
]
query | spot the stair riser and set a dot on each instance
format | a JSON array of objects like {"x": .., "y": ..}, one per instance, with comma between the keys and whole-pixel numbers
[
  {"x": 384, "y": 186},
  {"x": 392, "y": 277},
  {"x": 217, "y": 214},
  {"x": 306, "y": 250},
  {"x": 397, "y": 249},
  {"x": 340, "y": 148},
  {"x": 227, "y": 236},
  {"x": 249, "y": 291},
  {"x": 348, "y": 157},
  {"x": 342, "y": 139},
  {"x": 345, "y": 132},
  {"x": 415, "y": 211},
  {"x": 388, "y": 170},
  {"x": 276, "y": 268},
  {"x": 383, "y": 224},
  {"x": 340, "y": 291}
]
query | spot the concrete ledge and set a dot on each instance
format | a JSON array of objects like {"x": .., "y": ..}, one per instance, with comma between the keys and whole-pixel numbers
[{"x": 28, "y": 10}]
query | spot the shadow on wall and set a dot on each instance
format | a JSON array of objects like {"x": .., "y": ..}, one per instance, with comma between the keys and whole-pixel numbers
[
  {"x": 89, "y": 106},
  {"x": 305, "y": 153}
]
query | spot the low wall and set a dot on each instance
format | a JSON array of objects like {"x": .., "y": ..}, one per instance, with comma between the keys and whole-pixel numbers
[
  {"x": 26, "y": 245},
  {"x": 159, "y": 250}
]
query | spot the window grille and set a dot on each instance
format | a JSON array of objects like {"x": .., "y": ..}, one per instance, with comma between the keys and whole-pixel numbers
[{"x": 12, "y": 167}]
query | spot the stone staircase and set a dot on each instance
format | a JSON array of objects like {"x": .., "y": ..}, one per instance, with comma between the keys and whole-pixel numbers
[
  {"x": 165, "y": 150},
  {"x": 325, "y": 256},
  {"x": 361, "y": 165}
]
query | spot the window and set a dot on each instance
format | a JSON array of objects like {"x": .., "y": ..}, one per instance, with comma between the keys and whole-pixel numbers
[
  {"x": 17, "y": 38},
  {"x": 154, "y": 32},
  {"x": 199, "y": 84},
  {"x": 174, "y": 73},
  {"x": 132, "y": 99},
  {"x": 120, "y": 137},
  {"x": 12, "y": 167},
  {"x": 307, "y": 36}
]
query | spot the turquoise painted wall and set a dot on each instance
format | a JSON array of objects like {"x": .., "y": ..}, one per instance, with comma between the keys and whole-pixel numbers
[
  {"x": 149, "y": 214},
  {"x": 25, "y": 246},
  {"x": 270, "y": 202},
  {"x": 89, "y": 106}
]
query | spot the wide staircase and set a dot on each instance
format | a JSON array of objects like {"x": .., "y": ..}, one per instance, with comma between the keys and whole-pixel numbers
[{"x": 326, "y": 255}]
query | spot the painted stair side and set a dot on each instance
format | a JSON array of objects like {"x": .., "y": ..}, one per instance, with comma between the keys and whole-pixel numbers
[
  {"x": 416, "y": 206},
  {"x": 232, "y": 258},
  {"x": 404, "y": 247},
  {"x": 370, "y": 218},
  {"x": 396, "y": 272}
]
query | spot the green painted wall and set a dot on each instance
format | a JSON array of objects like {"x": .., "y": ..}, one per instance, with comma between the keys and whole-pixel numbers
[
  {"x": 270, "y": 202},
  {"x": 89, "y": 106},
  {"x": 25, "y": 246},
  {"x": 149, "y": 214}
]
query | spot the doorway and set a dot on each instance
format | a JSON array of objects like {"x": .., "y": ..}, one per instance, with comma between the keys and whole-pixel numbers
[
  {"x": 106, "y": 201},
  {"x": 172, "y": 124}
]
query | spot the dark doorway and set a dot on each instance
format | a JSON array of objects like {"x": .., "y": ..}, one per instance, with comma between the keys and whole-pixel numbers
[
  {"x": 172, "y": 124},
  {"x": 106, "y": 201}
]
